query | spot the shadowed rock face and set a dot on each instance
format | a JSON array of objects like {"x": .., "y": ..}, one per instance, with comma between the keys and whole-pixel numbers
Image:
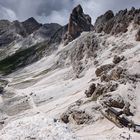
[
  {"x": 100, "y": 22},
  {"x": 31, "y": 25},
  {"x": 78, "y": 22}
]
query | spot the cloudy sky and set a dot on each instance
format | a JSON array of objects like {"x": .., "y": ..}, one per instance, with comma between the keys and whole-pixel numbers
[{"x": 47, "y": 11}]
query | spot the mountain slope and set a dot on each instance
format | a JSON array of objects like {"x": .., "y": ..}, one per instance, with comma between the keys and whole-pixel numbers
[{"x": 72, "y": 84}]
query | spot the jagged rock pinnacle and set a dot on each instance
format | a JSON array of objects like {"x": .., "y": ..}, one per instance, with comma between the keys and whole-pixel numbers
[{"x": 78, "y": 22}]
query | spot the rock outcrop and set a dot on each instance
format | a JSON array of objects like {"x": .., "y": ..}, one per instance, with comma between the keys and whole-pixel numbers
[
  {"x": 78, "y": 22},
  {"x": 102, "y": 20},
  {"x": 75, "y": 116},
  {"x": 103, "y": 69},
  {"x": 102, "y": 89},
  {"x": 117, "y": 59},
  {"x": 119, "y": 23}
]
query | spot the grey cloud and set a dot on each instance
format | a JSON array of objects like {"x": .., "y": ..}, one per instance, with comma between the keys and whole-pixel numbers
[{"x": 59, "y": 10}]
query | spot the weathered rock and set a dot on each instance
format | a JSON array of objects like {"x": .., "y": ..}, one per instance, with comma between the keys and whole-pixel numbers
[
  {"x": 138, "y": 35},
  {"x": 117, "y": 59},
  {"x": 75, "y": 116},
  {"x": 101, "y": 22},
  {"x": 126, "y": 109},
  {"x": 118, "y": 23},
  {"x": 104, "y": 68},
  {"x": 91, "y": 90},
  {"x": 116, "y": 73},
  {"x": 78, "y": 22},
  {"x": 137, "y": 19},
  {"x": 65, "y": 117},
  {"x": 113, "y": 101},
  {"x": 105, "y": 77},
  {"x": 102, "y": 89}
]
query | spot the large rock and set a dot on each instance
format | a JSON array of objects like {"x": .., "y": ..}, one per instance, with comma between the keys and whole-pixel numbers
[
  {"x": 113, "y": 101},
  {"x": 117, "y": 59},
  {"x": 138, "y": 35},
  {"x": 76, "y": 116},
  {"x": 102, "y": 89},
  {"x": 103, "y": 69},
  {"x": 115, "y": 74},
  {"x": 78, "y": 22},
  {"x": 90, "y": 90}
]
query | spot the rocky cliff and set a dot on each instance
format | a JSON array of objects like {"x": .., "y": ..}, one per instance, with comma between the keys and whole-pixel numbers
[{"x": 114, "y": 24}]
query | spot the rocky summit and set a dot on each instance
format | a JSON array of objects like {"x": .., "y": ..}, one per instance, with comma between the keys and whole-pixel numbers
[
  {"x": 73, "y": 82},
  {"x": 78, "y": 22}
]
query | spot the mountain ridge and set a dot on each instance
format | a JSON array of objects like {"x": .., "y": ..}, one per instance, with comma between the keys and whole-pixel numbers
[{"x": 54, "y": 87}]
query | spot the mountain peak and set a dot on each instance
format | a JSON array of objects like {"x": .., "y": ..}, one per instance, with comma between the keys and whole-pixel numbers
[
  {"x": 31, "y": 25},
  {"x": 78, "y": 22},
  {"x": 77, "y": 10},
  {"x": 31, "y": 19}
]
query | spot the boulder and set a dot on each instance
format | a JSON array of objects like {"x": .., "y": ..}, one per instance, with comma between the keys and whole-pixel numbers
[
  {"x": 103, "y": 69},
  {"x": 91, "y": 90},
  {"x": 138, "y": 35},
  {"x": 75, "y": 116},
  {"x": 115, "y": 74},
  {"x": 103, "y": 89},
  {"x": 113, "y": 101},
  {"x": 117, "y": 59}
]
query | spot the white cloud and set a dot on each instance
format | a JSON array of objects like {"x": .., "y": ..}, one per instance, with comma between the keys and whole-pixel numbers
[{"x": 7, "y": 13}]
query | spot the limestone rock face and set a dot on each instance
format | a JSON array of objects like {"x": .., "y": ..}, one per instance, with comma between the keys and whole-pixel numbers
[
  {"x": 100, "y": 22},
  {"x": 78, "y": 22},
  {"x": 119, "y": 23}
]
